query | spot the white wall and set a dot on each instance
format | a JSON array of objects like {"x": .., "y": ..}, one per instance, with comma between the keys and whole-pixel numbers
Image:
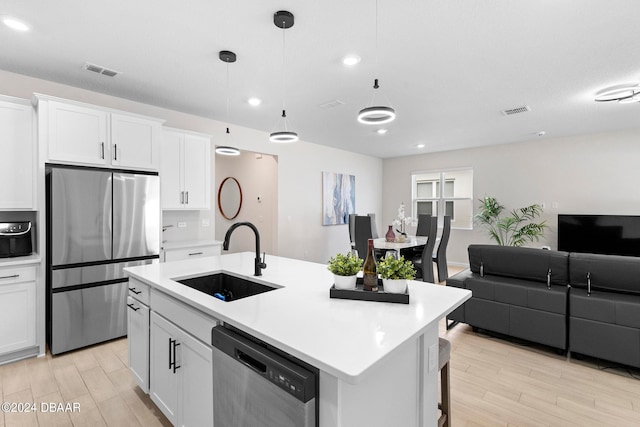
[
  {"x": 588, "y": 174},
  {"x": 300, "y": 231},
  {"x": 258, "y": 178}
]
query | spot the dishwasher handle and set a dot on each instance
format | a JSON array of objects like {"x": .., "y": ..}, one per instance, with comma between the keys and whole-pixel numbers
[{"x": 251, "y": 362}]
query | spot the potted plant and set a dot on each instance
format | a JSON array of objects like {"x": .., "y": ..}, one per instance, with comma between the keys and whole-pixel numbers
[
  {"x": 510, "y": 230},
  {"x": 345, "y": 267},
  {"x": 394, "y": 273}
]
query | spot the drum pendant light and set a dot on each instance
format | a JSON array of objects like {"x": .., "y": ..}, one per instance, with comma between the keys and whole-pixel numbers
[
  {"x": 283, "y": 19},
  {"x": 227, "y": 57},
  {"x": 376, "y": 114}
]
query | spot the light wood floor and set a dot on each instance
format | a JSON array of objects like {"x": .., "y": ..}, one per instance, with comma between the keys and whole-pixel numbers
[{"x": 494, "y": 382}]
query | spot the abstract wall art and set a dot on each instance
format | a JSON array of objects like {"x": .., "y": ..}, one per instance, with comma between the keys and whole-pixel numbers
[{"x": 338, "y": 197}]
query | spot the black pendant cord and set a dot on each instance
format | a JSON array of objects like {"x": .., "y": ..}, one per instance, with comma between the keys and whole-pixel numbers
[{"x": 284, "y": 77}]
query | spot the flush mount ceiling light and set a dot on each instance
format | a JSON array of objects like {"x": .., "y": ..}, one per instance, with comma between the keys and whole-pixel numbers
[
  {"x": 15, "y": 24},
  {"x": 622, "y": 93},
  {"x": 376, "y": 114},
  {"x": 381, "y": 131},
  {"x": 254, "y": 102},
  {"x": 283, "y": 19},
  {"x": 351, "y": 60},
  {"x": 227, "y": 151},
  {"x": 227, "y": 57}
]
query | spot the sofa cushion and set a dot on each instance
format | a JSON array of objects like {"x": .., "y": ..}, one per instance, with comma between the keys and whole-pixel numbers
[
  {"x": 523, "y": 293},
  {"x": 607, "y": 307},
  {"x": 458, "y": 279},
  {"x": 606, "y": 272},
  {"x": 523, "y": 263}
]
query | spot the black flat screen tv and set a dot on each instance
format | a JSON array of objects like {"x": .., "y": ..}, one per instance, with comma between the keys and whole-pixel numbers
[{"x": 599, "y": 234}]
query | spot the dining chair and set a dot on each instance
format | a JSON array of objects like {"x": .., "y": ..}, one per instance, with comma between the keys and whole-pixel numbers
[
  {"x": 423, "y": 225},
  {"x": 440, "y": 255},
  {"x": 352, "y": 238},
  {"x": 362, "y": 234},
  {"x": 374, "y": 227},
  {"x": 424, "y": 263}
]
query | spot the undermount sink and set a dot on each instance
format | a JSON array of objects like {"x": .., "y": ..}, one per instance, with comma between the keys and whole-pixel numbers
[{"x": 225, "y": 286}]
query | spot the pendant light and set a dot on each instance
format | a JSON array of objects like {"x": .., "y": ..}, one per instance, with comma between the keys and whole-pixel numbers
[
  {"x": 283, "y": 19},
  {"x": 376, "y": 114},
  {"x": 227, "y": 57}
]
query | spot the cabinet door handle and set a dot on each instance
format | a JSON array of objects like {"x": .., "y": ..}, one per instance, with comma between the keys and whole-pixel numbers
[
  {"x": 13, "y": 276},
  {"x": 187, "y": 197},
  {"x": 182, "y": 197},
  {"x": 135, "y": 291},
  {"x": 115, "y": 151},
  {"x": 102, "y": 150},
  {"x": 175, "y": 344},
  {"x": 132, "y": 307},
  {"x": 170, "y": 353},
  {"x": 195, "y": 253}
]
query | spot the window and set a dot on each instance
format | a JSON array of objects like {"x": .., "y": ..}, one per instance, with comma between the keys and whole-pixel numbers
[{"x": 444, "y": 193}]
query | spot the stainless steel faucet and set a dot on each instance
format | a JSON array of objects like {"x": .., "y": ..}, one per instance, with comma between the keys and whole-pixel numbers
[{"x": 259, "y": 264}]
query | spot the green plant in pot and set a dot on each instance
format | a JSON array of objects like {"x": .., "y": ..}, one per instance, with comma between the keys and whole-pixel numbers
[
  {"x": 394, "y": 273},
  {"x": 510, "y": 230},
  {"x": 345, "y": 267}
]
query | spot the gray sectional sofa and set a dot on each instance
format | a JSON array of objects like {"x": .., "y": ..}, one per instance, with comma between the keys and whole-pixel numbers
[{"x": 584, "y": 303}]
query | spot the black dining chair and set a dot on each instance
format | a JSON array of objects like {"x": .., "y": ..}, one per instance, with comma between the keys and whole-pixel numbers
[
  {"x": 362, "y": 234},
  {"x": 424, "y": 263},
  {"x": 352, "y": 236},
  {"x": 440, "y": 255},
  {"x": 424, "y": 225},
  {"x": 374, "y": 227}
]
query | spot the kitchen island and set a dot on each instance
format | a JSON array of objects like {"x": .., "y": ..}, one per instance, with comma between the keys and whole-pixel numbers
[{"x": 378, "y": 361}]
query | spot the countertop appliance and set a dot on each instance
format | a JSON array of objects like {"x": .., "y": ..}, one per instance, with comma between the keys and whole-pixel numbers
[
  {"x": 259, "y": 386},
  {"x": 15, "y": 239},
  {"x": 99, "y": 221}
]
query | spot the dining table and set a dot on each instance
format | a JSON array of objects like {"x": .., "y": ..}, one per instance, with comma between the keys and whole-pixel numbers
[{"x": 409, "y": 244}]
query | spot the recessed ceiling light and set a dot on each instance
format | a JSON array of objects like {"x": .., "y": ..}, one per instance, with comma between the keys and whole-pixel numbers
[
  {"x": 381, "y": 131},
  {"x": 351, "y": 60},
  {"x": 254, "y": 101},
  {"x": 15, "y": 24},
  {"x": 420, "y": 145}
]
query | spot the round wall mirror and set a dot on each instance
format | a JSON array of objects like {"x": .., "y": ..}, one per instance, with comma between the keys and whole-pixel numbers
[{"x": 229, "y": 198}]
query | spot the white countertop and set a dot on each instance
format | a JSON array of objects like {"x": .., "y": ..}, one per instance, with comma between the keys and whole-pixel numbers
[
  {"x": 342, "y": 337},
  {"x": 167, "y": 246},
  {"x": 20, "y": 260}
]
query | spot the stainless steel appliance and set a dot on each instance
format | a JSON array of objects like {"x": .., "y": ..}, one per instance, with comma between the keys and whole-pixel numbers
[
  {"x": 15, "y": 239},
  {"x": 98, "y": 222},
  {"x": 255, "y": 385}
]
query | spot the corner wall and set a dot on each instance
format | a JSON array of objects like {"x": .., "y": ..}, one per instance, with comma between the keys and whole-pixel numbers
[{"x": 587, "y": 174}]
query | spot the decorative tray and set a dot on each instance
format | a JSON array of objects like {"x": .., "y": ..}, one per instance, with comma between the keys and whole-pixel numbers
[{"x": 360, "y": 294}]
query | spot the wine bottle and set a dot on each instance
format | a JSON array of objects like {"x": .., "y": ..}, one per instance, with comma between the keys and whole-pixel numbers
[{"x": 369, "y": 269}]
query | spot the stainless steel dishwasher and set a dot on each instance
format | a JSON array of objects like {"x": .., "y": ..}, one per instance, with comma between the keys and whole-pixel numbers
[{"x": 255, "y": 386}]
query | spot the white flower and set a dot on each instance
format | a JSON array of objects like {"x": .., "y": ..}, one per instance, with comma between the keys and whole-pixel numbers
[{"x": 401, "y": 220}]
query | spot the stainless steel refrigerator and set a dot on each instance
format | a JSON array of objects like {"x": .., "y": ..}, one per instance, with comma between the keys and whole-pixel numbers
[{"x": 98, "y": 222}]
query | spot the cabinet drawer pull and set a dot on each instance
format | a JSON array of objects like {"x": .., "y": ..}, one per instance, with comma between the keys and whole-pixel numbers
[
  {"x": 135, "y": 291},
  {"x": 132, "y": 307},
  {"x": 195, "y": 253},
  {"x": 13, "y": 276}
]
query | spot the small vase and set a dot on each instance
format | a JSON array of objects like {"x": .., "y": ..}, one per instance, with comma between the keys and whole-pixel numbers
[
  {"x": 345, "y": 282},
  {"x": 390, "y": 236},
  {"x": 394, "y": 286}
]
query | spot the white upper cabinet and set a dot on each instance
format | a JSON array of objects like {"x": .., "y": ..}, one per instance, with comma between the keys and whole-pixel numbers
[
  {"x": 17, "y": 163},
  {"x": 84, "y": 134},
  {"x": 185, "y": 170}
]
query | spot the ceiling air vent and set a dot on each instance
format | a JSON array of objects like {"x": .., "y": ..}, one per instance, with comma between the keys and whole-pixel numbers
[
  {"x": 516, "y": 110},
  {"x": 331, "y": 104},
  {"x": 100, "y": 70}
]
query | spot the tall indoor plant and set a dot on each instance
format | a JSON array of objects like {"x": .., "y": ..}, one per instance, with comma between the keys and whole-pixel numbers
[{"x": 510, "y": 230}]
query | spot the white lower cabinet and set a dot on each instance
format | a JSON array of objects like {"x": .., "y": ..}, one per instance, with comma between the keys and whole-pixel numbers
[
  {"x": 138, "y": 333},
  {"x": 17, "y": 309},
  {"x": 181, "y": 382}
]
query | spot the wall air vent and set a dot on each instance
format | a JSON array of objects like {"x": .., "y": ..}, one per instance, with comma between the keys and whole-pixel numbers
[
  {"x": 101, "y": 70},
  {"x": 516, "y": 110},
  {"x": 331, "y": 104}
]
